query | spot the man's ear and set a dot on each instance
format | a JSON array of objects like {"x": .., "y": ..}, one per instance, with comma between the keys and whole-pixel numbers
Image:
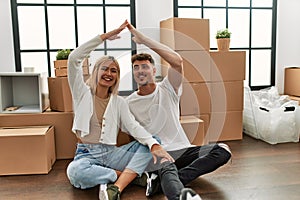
[{"x": 154, "y": 71}]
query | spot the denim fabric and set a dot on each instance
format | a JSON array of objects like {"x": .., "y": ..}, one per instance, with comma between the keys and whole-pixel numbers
[
  {"x": 170, "y": 182},
  {"x": 95, "y": 164}
]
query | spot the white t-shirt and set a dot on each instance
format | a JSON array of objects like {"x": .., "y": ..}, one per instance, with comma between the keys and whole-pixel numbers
[{"x": 158, "y": 113}]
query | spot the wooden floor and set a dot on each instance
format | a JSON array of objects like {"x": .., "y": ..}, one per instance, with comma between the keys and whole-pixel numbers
[{"x": 258, "y": 171}]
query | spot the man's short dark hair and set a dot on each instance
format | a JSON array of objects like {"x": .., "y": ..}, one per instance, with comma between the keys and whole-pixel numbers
[{"x": 142, "y": 56}]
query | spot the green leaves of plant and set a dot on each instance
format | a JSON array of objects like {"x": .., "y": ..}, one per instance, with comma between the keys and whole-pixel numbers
[
  {"x": 63, "y": 54},
  {"x": 224, "y": 33}
]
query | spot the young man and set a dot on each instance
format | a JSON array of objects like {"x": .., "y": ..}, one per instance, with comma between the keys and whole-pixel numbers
[{"x": 156, "y": 107}]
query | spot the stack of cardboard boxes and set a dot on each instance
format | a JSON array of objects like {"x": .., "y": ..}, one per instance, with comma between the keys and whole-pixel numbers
[
  {"x": 190, "y": 38},
  {"x": 21, "y": 134},
  {"x": 59, "y": 90},
  {"x": 213, "y": 81}
]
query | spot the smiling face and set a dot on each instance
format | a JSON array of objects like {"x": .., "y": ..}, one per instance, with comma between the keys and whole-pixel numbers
[
  {"x": 107, "y": 74},
  {"x": 143, "y": 72}
]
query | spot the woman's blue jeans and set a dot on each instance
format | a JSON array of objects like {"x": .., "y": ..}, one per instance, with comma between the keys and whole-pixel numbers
[{"x": 95, "y": 164}]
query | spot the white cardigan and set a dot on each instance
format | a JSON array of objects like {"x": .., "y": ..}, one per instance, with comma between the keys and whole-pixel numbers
[{"x": 117, "y": 112}]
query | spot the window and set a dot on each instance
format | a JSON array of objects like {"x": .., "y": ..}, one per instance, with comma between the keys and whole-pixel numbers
[
  {"x": 253, "y": 27},
  {"x": 42, "y": 27}
]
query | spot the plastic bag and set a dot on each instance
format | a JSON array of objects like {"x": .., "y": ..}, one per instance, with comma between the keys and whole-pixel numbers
[{"x": 273, "y": 116}]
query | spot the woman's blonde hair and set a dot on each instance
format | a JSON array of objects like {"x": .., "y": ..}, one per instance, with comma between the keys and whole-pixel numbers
[{"x": 92, "y": 81}]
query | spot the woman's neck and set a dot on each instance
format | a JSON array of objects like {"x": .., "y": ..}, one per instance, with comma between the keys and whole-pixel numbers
[{"x": 102, "y": 92}]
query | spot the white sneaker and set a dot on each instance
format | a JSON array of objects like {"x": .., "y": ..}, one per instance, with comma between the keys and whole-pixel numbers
[
  {"x": 152, "y": 184},
  {"x": 102, "y": 192},
  {"x": 189, "y": 194},
  {"x": 225, "y": 146}
]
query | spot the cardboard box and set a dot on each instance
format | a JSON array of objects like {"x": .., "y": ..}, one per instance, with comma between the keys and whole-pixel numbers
[
  {"x": 196, "y": 66},
  {"x": 26, "y": 150},
  {"x": 291, "y": 81},
  {"x": 228, "y": 65},
  {"x": 59, "y": 94},
  {"x": 61, "y": 67},
  {"x": 195, "y": 99},
  {"x": 61, "y": 72},
  {"x": 59, "y": 64},
  {"x": 194, "y": 129},
  {"x": 185, "y": 33},
  {"x": 65, "y": 139},
  {"x": 227, "y": 96},
  {"x": 23, "y": 92},
  {"x": 225, "y": 126}
]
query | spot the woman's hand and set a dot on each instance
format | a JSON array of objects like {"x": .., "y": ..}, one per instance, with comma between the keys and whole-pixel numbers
[
  {"x": 114, "y": 34},
  {"x": 158, "y": 151}
]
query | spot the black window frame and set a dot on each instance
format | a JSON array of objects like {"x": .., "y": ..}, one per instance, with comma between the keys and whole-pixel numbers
[{"x": 16, "y": 36}]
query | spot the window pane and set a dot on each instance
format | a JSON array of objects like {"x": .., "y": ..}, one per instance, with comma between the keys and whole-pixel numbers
[
  {"x": 262, "y": 3},
  {"x": 189, "y": 12},
  {"x": 61, "y": 27},
  {"x": 189, "y": 2},
  {"x": 238, "y": 25},
  {"x": 217, "y": 21},
  {"x": 113, "y": 21},
  {"x": 117, "y": 1},
  {"x": 52, "y": 58},
  {"x": 124, "y": 59},
  {"x": 261, "y": 28},
  {"x": 32, "y": 27},
  {"x": 260, "y": 67},
  {"x": 85, "y": 30},
  {"x": 36, "y": 60},
  {"x": 214, "y": 3},
  {"x": 89, "y": 2},
  {"x": 60, "y": 1},
  {"x": 238, "y": 3}
]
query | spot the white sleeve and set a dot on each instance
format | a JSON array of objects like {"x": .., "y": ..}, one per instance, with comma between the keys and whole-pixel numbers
[{"x": 133, "y": 127}]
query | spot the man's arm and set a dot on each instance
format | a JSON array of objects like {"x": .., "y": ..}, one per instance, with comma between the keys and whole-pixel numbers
[{"x": 175, "y": 72}]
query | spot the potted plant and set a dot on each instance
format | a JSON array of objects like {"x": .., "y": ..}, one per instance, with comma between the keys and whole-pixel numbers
[
  {"x": 61, "y": 62},
  {"x": 223, "y": 39}
]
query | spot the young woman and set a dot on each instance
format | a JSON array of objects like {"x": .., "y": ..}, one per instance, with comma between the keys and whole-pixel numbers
[{"x": 98, "y": 114}]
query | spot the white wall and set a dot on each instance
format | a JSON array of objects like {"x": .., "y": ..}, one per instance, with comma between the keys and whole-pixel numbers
[
  {"x": 149, "y": 13},
  {"x": 6, "y": 38},
  {"x": 288, "y": 38}
]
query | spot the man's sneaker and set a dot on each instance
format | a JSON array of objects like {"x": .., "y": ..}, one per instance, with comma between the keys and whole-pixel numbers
[
  {"x": 225, "y": 146},
  {"x": 140, "y": 181},
  {"x": 189, "y": 194},
  {"x": 109, "y": 192},
  {"x": 153, "y": 184}
]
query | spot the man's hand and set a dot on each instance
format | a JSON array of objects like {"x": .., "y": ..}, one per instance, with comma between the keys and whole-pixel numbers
[
  {"x": 138, "y": 37},
  {"x": 158, "y": 151}
]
